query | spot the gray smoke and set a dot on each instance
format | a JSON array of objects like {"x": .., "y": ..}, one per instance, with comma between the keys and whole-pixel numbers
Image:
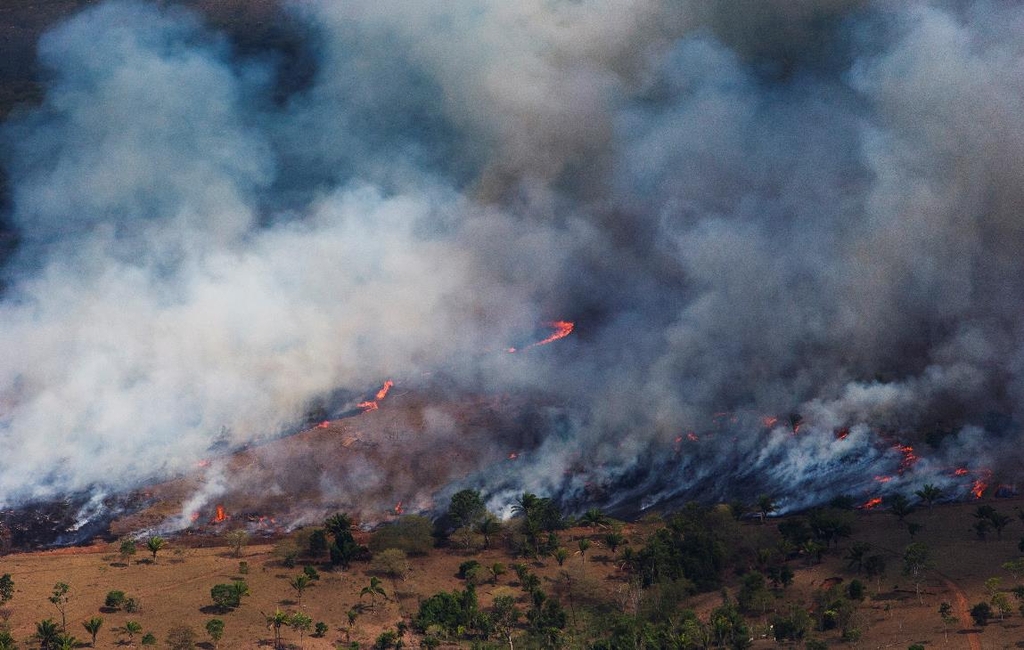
[{"x": 757, "y": 208}]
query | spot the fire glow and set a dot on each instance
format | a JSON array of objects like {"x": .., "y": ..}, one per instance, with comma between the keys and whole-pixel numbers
[
  {"x": 562, "y": 329},
  {"x": 221, "y": 515}
]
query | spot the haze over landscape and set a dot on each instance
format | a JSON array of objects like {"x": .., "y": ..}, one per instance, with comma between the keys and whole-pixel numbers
[{"x": 788, "y": 235}]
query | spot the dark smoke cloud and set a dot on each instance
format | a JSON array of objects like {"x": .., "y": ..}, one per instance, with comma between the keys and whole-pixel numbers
[{"x": 756, "y": 208}]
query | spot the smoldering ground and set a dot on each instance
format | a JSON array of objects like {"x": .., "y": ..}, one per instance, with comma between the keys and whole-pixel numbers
[{"x": 753, "y": 208}]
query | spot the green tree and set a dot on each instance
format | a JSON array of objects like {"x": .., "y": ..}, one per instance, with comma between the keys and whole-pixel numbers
[
  {"x": 47, "y": 634},
  {"x": 614, "y": 540},
  {"x": 228, "y": 596},
  {"x": 584, "y": 546},
  {"x": 497, "y": 570},
  {"x": 129, "y": 629},
  {"x": 215, "y": 628},
  {"x": 765, "y": 506},
  {"x": 276, "y": 622},
  {"x": 300, "y": 583},
  {"x": 181, "y": 637},
  {"x": 916, "y": 560},
  {"x": 981, "y": 613},
  {"x": 67, "y": 641},
  {"x": 561, "y": 554},
  {"x": 338, "y": 524},
  {"x": 374, "y": 589},
  {"x": 488, "y": 527},
  {"x": 899, "y": 505},
  {"x": 506, "y": 618},
  {"x": 115, "y": 599},
  {"x": 237, "y": 540},
  {"x": 410, "y": 533},
  {"x": 466, "y": 508},
  {"x": 127, "y": 549},
  {"x": 59, "y": 598},
  {"x": 301, "y": 623},
  {"x": 594, "y": 518},
  {"x": 6, "y": 589},
  {"x": 155, "y": 544},
  {"x": 92, "y": 626},
  {"x": 946, "y": 613},
  {"x": 929, "y": 494},
  {"x": 392, "y": 563}
]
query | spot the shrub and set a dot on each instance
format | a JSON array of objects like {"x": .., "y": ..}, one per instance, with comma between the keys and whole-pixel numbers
[
  {"x": 981, "y": 613},
  {"x": 392, "y": 563},
  {"x": 115, "y": 599}
]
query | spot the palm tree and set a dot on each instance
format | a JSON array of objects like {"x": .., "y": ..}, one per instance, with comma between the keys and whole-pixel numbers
[
  {"x": 67, "y": 642},
  {"x": 929, "y": 494},
  {"x": 154, "y": 544},
  {"x": 487, "y": 527},
  {"x": 584, "y": 545},
  {"x": 525, "y": 504},
  {"x": 276, "y": 621},
  {"x": 47, "y": 633},
  {"x": 594, "y": 518},
  {"x": 130, "y": 629},
  {"x": 374, "y": 589},
  {"x": 92, "y": 626},
  {"x": 300, "y": 583},
  {"x": 899, "y": 506}
]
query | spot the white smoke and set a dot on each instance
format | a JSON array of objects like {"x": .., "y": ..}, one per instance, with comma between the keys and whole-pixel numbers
[{"x": 763, "y": 208}]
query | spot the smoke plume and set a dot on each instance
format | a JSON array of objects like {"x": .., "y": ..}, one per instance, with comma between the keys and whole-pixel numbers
[{"x": 789, "y": 234}]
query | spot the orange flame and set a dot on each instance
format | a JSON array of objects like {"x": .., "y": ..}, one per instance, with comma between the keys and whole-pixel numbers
[
  {"x": 768, "y": 421},
  {"x": 842, "y": 433},
  {"x": 872, "y": 503},
  {"x": 203, "y": 463},
  {"x": 221, "y": 515},
  {"x": 961, "y": 471},
  {"x": 692, "y": 437},
  {"x": 979, "y": 488},
  {"x": 513, "y": 456},
  {"x": 324, "y": 424},
  {"x": 398, "y": 508},
  {"x": 374, "y": 404},
  {"x": 883, "y": 479},
  {"x": 194, "y": 517},
  {"x": 909, "y": 457},
  {"x": 562, "y": 329}
]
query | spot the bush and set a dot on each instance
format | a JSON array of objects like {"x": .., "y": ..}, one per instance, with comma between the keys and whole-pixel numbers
[
  {"x": 115, "y": 599},
  {"x": 229, "y": 596},
  {"x": 180, "y": 637},
  {"x": 320, "y": 629},
  {"x": 855, "y": 590},
  {"x": 452, "y": 612},
  {"x": 981, "y": 613},
  {"x": 392, "y": 563}
]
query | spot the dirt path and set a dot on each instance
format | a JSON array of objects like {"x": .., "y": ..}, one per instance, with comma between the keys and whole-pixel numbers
[{"x": 963, "y": 612}]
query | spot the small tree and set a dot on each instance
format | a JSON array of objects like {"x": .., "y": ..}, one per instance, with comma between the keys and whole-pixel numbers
[
  {"x": 373, "y": 590},
  {"x": 929, "y": 494},
  {"x": 215, "y": 628},
  {"x": 561, "y": 554},
  {"x": 300, "y": 583},
  {"x": 47, "y": 634},
  {"x": 129, "y": 629},
  {"x": 127, "y": 549},
  {"x": 237, "y": 540},
  {"x": 946, "y": 612},
  {"x": 301, "y": 623},
  {"x": 115, "y": 599},
  {"x": 497, "y": 570},
  {"x": 916, "y": 559},
  {"x": 155, "y": 544},
  {"x": 489, "y": 526},
  {"x": 59, "y": 598},
  {"x": 229, "y": 596},
  {"x": 584, "y": 546},
  {"x": 275, "y": 622},
  {"x": 92, "y": 626},
  {"x": 506, "y": 617},
  {"x": 765, "y": 506},
  {"x": 594, "y": 518},
  {"x": 981, "y": 613},
  {"x": 6, "y": 589}
]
